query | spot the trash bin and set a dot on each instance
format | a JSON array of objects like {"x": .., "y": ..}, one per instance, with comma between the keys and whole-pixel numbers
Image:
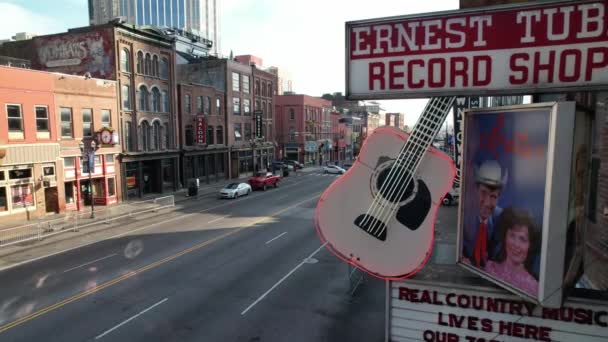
[
  {"x": 285, "y": 171},
  {"x": 193, "y": 186}
]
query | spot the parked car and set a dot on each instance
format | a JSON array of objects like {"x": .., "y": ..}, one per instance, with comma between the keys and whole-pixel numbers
[
  {"x": 234, "y": 190},
  {"x": 347, "y": 166},
  {"x": 294, "y": 164},
  {"x": 452, "y": 196},
  {"x": 262, "y": 180},
  {"x": 333, "y": 169}
]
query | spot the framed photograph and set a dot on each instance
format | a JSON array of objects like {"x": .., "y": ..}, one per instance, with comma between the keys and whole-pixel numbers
[{"x": 514, "y": 196}]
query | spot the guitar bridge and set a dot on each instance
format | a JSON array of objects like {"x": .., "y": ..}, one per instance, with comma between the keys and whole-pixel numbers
[{"x": 372, "y": 226}]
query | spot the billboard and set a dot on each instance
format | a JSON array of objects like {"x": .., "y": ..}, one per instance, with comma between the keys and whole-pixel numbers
[
  {"x": 440, "y": 311},
  {"x": 201, "y": 129},
  {"x": 77, "y": 53},
  {"x": 536, "y": 47},
  {"x": 258, "y": 124},
  {"x": 515, "y": 163}
]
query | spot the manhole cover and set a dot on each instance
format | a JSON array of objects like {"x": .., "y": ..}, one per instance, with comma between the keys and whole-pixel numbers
[{"x": 311, "y": 261}]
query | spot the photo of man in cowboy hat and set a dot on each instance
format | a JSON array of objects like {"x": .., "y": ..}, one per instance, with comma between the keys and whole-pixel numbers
[{"x": 480, "y": 239}]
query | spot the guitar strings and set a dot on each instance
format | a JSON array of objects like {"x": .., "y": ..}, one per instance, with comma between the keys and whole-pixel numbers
[
  {"x": 391, "y": 179},
  {"x": 440, "y": 112}
]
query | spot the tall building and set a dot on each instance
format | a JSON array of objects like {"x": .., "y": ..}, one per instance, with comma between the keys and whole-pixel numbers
[{"x": 200, "y": 17}]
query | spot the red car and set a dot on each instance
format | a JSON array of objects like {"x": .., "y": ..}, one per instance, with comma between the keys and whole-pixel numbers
[{"x": 263, "y": 180}]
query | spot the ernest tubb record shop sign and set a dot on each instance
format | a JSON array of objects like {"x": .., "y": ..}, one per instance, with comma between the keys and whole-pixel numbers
[{"x": 537, "y": 47}]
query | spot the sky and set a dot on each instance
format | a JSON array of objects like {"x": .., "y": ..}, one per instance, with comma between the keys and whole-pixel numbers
[{"x": 305, "y": 37}]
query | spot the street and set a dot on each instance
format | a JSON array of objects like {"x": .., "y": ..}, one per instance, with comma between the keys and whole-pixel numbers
[{"x": 250, "y": 269}]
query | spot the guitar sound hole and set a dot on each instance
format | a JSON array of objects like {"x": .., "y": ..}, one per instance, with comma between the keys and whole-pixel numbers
[{"x": 395, "y": 184}]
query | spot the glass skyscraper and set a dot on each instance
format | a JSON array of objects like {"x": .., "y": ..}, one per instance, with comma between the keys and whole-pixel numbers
[{"x": 197, "y": 16}]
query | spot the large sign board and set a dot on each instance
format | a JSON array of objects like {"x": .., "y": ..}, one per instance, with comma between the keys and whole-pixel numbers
[
  {"x": 537, "y": 47},
  {"x": 201, "y": 130},
  {"x": 258, "y": 124},
  {"x": 444, "y": 312},
  {"x": 516, "y": 168}
]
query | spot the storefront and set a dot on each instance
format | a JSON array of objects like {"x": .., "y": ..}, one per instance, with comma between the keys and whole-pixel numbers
[
  {"x": 208, "y": 166},
  {"x": 311, "y": 153},
  {"x": 147, "y": 177},
  {"x": 292, "y": 152},
  {"x": 80, "y": 187}
]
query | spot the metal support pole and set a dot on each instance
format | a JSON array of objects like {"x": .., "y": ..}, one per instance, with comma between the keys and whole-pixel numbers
[{"x": 91, "y": 193}]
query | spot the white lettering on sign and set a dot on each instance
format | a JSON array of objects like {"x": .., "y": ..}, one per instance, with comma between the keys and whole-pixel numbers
[
  {"x": 529, "y": 48},
  {"x": 442, "y": 312}
]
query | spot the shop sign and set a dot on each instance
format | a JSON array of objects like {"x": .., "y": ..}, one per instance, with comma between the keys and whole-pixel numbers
[
  {"x": 460, "y": 105},
  {"x": 421, "y": 311},
  {"x": 528, "y": 48},
  {"x": 258, "y": 125},
  {"x": 201, "y": 129},
  {"x": 311, "y": 146}
]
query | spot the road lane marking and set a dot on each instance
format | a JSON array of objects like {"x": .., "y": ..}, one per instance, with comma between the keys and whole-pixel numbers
[
  {"x": 269, "y": 241},
  {"x": 218, "y": 219},
  {"x": 155, "y": 264},
  {"x": 135, "y": 230},
  {"x": 282, "y": 279},
  {"x": 90, "y": 262},
  {"x": 130, "y": 319}
]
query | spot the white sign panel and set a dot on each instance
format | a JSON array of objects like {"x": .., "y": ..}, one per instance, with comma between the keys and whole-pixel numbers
[
  {"x": 513, "y": 49},
  {"x": 432, "y": 312}
]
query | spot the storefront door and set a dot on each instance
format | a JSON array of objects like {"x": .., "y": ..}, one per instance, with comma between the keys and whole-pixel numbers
[{"x": 51, "y": 200}]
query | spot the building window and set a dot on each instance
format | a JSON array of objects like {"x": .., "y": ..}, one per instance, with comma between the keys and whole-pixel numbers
[
  {"x": 248, "y": 131},
  {"x": 246, "y": 84},
  {"x": 69, "y": 162},
  {"x": 269, "y": 132},
  {"x": 155, "y": 136},
  {"x": 188, "y": 104},
  {"x": 15, "y": 118},
  {"x": 264, "y": 109},
  {"x": 144, "y": 136},
  {"x": 207, "y": 105},
  {"x": 257, "y": 87},
  {"x": 166, "y": 136},
  {"x": 218, "y": 105},
  {"x": 165, "y": 96},
  {"x": 236, "y": 103},
  {"x": 111, "y": 187},
  {"x": 199, "y": 104},
  {"x": 42, "y": 119},
  {"x": 22, "y": 195},
  {"x": 124, "y": 60},
  {"x": 247, "y": 106},
  {"x": 155, "y": 71},
  {"x": 109, "y": 159},
  {"x": 127, "y": 137},
  {"x": 189, "y": 135},
  {"x": 87, "y": 122},
  {"x": 126, "y": 97},
  {"x": 219, "y": 133},
  {"x": 156, "y": 100},
  {"x": 147, "y": 64},
  {"x": 143, "y": 98},
  {"x": 140, "y": 62},
  {"x": 269, "y": 114},
  {"x": 257, "y": 104},
  {"x": 210, "y": 140},
  {"x": 66, "y": 122},
  {"x": 270, "y": 93},
  {"x": 164, "y": 68},
  {"x": 236, "y": 81},
  {"x": 292, "y": 134},
  {"x": 292, "y": 114},
  {"x": 106, "y": 119},
  {"x": 238, "y": 136},
  {"x": 263, "y": 88}
]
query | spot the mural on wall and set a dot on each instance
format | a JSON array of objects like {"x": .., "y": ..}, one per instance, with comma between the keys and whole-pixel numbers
[{"x": 77, "y": 54}]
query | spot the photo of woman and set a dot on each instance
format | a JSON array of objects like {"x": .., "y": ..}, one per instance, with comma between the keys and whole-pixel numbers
[{"x": 519, "y": 248}]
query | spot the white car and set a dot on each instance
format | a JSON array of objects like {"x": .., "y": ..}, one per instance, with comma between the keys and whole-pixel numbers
[
  {"x": 333, "y": 169},
  {"x": 234, "y": 190}
]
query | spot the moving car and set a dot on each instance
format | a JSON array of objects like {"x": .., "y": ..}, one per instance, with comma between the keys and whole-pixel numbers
[
  {"x": 234, "y": 190},
  {"x": 347, "y": 166},
  {"x": 262, "y": 180},
  {"x": 452, "y": 196},
  {"x": 294, "y": 164},
  {"x": 333, "y": 169}
]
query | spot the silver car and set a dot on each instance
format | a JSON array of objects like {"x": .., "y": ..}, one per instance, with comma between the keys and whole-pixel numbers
[
  {"x": 234, "y": 190},
  {"x": 333, "y": 169}
]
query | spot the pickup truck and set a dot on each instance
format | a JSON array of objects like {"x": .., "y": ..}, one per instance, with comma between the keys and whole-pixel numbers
[{"x": 263, "y": 180}]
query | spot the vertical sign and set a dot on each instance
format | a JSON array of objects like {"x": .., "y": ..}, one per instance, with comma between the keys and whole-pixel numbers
[
  {"x": 258, "y": 126},
  {"x": 200, "y": 129},
  {"x": 460, "y": 105}
]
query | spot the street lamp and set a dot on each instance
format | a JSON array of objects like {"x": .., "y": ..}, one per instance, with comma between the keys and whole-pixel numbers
[{"x": 88, "y": 155}]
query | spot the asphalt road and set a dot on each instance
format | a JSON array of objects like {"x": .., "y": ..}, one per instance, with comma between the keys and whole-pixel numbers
[{"x": 250, "y": 269}]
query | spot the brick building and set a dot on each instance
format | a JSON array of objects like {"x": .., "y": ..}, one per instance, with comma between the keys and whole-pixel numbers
[
  {"x": 303, "y": 128},
  {"x": 142, "y": 62}
]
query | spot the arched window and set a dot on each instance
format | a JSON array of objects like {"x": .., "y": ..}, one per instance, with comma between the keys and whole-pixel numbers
[
  {"x": 144, "y": 98},
  {"x": 155, "y": 136},
  {"x": 166, "y": 137},
  {"x": 140, "y": 62},
  {"x": 189, "y": 135},
  {"x": 148, "y": 64},
  {"x": 164, "y": 68},
  {"x": 165, "y": 101},
  {"x": 219, "y": 135},
  {"x": 124, "y": 60},
  {"x": 257, "y": 87},
  {"x": 144, "y": 136},
  {"x": 292, "y": 114},
  {"x": 155, "y": 66},
  {"x": 155, "y": 100},
  {"x": 292, "y": 134},
  {"x": 210, "y": 133}
]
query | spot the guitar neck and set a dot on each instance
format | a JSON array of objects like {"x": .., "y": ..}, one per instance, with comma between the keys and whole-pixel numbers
[{"x": 424, "y": 132}]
